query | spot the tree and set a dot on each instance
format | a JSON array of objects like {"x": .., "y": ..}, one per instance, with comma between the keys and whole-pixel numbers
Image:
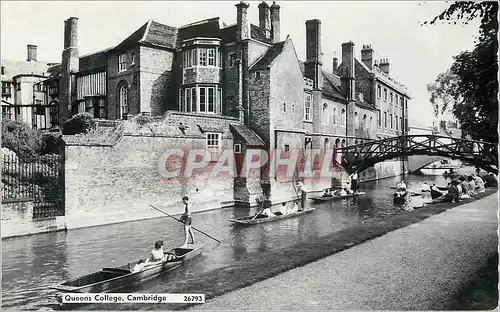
[
  {"x": 21, "y": 139},
  {"x": 470, "y": 86}
]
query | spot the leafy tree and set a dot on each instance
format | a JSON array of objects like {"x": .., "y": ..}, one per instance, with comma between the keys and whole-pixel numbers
[
  {"x": 21, "y": 139},
  {"x": 470, "y": 86}
]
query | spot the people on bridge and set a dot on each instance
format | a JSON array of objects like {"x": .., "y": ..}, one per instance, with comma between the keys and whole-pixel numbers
[
  {"x": 354, "y": 181},
  {"x": 187, "y": 220}
]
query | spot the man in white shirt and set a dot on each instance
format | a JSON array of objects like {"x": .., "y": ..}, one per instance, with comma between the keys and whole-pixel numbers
[
  {"x": 354, "y": 181},
  {"x": 303, "y": 190}
]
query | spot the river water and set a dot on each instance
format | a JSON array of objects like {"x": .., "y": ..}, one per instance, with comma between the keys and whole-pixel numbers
[{"x": 32, "y": 263}]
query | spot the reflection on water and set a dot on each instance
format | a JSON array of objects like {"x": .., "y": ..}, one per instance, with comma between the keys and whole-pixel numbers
[{"x": 32, "y": 263}]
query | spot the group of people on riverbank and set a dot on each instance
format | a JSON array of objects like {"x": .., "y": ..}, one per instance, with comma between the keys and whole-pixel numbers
[{"x": 464, "y": 188}]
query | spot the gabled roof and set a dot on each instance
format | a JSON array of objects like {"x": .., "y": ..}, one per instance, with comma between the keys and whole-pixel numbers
[
  {"x": 14, "y": 68},
  {"x": 152, "y": 33},
  {"x": 269, "y": 56},
  {"x": 250, "y": 137}
]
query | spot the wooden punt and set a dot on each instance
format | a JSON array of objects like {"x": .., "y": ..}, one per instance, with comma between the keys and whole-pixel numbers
[
  {"x": 250, "y": 221},
  {"x": 335, "y": 197},
  {"x": 111, "y": 279}
]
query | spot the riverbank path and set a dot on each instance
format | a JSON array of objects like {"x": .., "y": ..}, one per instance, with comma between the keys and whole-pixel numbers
[{"x": 418, "y": 267}]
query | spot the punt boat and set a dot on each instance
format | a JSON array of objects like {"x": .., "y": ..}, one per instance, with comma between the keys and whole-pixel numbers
[
  {"x": 111, "y": 279},
  {"x": 334, "y": 197},
  {"x": 250, "y": 219}
]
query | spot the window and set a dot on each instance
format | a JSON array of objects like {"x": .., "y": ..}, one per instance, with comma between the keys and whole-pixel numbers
[
  {"x": 207, "y": 100},
  {"x": 325, "y": 113},
  {"x": 287, "y": 148},
  {"x": 385, "y": 94},
  {"x": 6, "y": 88},
  {"x": 370, "y": 123},
  {"x": 203, "y": 99},
  {"x": 293, "y": 108},
  {"x": 406, "y": 104},
  {"x": 219, "y": 58},
  {"x": 211, "y": 100},
  {"x": 213, "y": 144},
  {"x": 379, "y": 92},
  {"x": 202, "y": 57},
  {"x": 397, "y": 100},
  {"x": 3, "y": 70},
  {"x": 385, "y": 119},
  {"x": 187, "y": 93},
  {"x": 18, "y": 86},
  {"x": 379, "y": 118},
  {"x": 102, "y": 108},
  {"x": 257, "y": 74},
  {"x": 193, "y": 100},
  {"x": 211, "y": 57},
  {"x": 237, "y": 148},
  {"x": 133, "y": 59},
  {"x": 334, "y": 119},
  {"x": 189, "y": 58},
  {"x": 284, "y": 107},
  {"x": 307, "y": 107},
  {"x": 364, "y": 121},
  {"x": 391, "y": 98},
  {"x": 122, "y": 62},
  {"x": 123, "y": 100},
  {"x": 219, "y": 101},
  {"x": 390, "y": 119},
  {"x": 402, "y": 102},
  {"x": 396, "y": 121},
  {"x": 182, "y": 101},
  {"x": 342, "y": 117},
  {"x": 232, "y": 59},
  {"x": 356, "y": 120}
]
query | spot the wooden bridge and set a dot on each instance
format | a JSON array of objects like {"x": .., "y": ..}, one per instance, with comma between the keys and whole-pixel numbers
[{"x": 477, "y": 153}]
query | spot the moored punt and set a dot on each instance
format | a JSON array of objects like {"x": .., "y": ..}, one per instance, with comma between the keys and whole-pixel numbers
[
  {"x": 250, "y": 219},
  {"x": 334, "y": 197},
  {"x": 111, "y": 279}
]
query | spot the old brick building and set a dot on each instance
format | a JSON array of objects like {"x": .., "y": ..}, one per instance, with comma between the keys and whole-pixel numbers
[{"x": 245, "y": 72}]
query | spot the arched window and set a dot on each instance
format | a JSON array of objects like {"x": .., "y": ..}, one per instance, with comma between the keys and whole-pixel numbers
[
  {"x": 337, "y": 143},
  {"x": 284, "y": 107},
  {"x": 396, "y": 119},
  {"x": 293, "y": 108},
  {"x": 325, "y": 145},
  {"x": 334, "y": 119},
  {"x": 342, "y": 117},
  {"x": 343, "y": 142},
  {"x": 364, "y": 121},
  {"x": 356, "y": 120},
  {"x": 390, "y": 119},
  {"x": 370, "y": 123},
  {"x": 123, "y": 100},
  {"x": 385, "y": 119},
  {"x": 325, "y": 113}
]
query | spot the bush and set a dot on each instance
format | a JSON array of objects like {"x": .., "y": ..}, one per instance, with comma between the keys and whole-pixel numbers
[
  {"x": 21, "y": 139},
  {"x": 52, "y": 143},
  {"x": 80, "y": 123}
]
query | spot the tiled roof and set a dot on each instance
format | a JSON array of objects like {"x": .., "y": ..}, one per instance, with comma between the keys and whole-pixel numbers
[
  {"x": 332, "y": 86},
  {"x": 247, "y": 134},
  {"x": 153, "y": 33},
  {"x": 207, "y": 28},
  {"x": 258, "y": 33},
  {"x": 269, "y": 56},
  {"x": 161, "y": 35},
  {"x": 14, "y": 68},
  {"x": 364, "y": 104},
  {"x": 93, "y": 61}
]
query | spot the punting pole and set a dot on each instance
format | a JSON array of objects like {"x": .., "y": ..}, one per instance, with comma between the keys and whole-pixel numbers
[{"x": 218, "y": 241}]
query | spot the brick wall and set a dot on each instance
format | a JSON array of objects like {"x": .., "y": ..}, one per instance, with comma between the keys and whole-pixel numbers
[
  {"x": 17, "y": 220},
  {"x": 259, "y": 94},
  {"x": 156, "y": 84},
  {"x": 328, "y": 126},
  {"x": 230, "y": 88},
  {"x": 117, "y": 183}
]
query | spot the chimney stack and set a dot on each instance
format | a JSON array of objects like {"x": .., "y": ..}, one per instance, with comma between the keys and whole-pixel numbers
[
  {"x": 242, "y": 24},
  {"x": 275, "y": 22},
  {"x": 348, "y": 73},
  {"x": 367, "y": 55},
  {"x": 313, "y": 63},
  {"x": 70, "y": 57},
  {"x": 31, "y": 53},
  {"x": 335, "y": 62},
  {"x": 264, "y": 22},
  {"x": 384, "y": 66}
]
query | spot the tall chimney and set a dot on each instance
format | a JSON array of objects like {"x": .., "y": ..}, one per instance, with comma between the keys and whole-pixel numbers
[
  {"x": 313, "y": 63},
  {"x": 31, "y": 53},
  {"x": 335, "y": 62},
  {"x": 264, "y": 22},
  {"x": 348, "y": 77},
  {"x": 384, "y": 66},
  {"x": 275, "y": 22},
  {"x": 367, "y": 56},
  {"x": 242, "y": 24},
  {"x": 70, "y": 57}
]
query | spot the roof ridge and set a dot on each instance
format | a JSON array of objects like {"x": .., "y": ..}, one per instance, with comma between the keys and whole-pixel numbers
[{"x": 150, "y": 21}]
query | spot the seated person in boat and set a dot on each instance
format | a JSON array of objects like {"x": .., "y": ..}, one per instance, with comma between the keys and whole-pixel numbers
[
  {"x": 401, "y": 186},
  {"x": 268, "y": 213},
  {"x": 283, "y": 210},
  {"x": 294, "y": 208},
  {"x": 140, "y": 265},
  {"x": 157, "y": 253},
  {"x": 343, "y": 192}
]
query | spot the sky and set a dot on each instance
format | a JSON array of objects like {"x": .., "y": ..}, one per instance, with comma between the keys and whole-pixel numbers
[{"x": 417, "y": 54}]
